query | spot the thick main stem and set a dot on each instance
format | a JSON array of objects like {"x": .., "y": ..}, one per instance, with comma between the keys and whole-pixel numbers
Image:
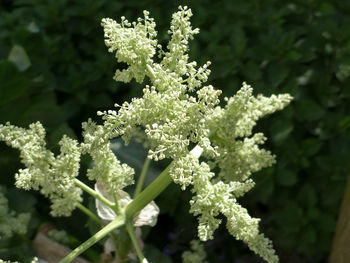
[
  {"x": 149, "y": 194},
  {"x": 155, "y": 188}
]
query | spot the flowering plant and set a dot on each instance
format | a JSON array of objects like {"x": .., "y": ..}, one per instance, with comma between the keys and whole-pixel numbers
[{"x": 177, "y": 118}]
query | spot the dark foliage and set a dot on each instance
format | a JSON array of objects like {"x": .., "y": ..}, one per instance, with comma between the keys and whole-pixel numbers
[{"x": 54, "y": 68}]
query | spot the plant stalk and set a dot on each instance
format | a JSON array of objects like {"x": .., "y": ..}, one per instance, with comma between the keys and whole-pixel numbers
[
  {"x": 131, "y": 232},
  {"x": 155, "y": 188},
  {"x": 86, "y": 211},
  {"x": 140, "y": 201},
  {"x": 149, "y": 194},
  {"x": 117, "y": 222},
  {"x": 142, "y": 176},
  {"x": 93, "y": 193}
]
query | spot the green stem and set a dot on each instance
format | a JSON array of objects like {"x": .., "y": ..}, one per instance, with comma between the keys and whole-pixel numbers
[
  {"x": 141, "y": 200},
  {"x": 95, "y": 218},
  {"x": 117, "y": 222},
  {"x": 151, "y": 72},
  {"x": 142, "y": 176},
  {"x": 93, "y": 193},
  {"x": 86, "y": 211},
  {"x": 155, "y": 188},
  {"x": 149, "y": 194},
  {"x": 131, "y": 231},
  {"x": 116, "y": 207}
]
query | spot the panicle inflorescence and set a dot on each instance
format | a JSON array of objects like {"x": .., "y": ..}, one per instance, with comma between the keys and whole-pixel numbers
[
  {"x": 10, "y": 222},
  {"x": 177, "y": 112},
  {"x": 196, "y": 254},
  {"x": 134, "y": 44},
  {"x": 106, "y": 168},
  {"x": 238, "y": 149},
  {"x": 53, "y": 176},
  {"x": 171, "y": 118}
]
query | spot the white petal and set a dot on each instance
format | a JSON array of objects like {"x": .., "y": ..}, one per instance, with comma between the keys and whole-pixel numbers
[
  {"x": 104, "y": 211},
  {"x": 123, "y": 198},
  {"x": 148, "y": 215}
]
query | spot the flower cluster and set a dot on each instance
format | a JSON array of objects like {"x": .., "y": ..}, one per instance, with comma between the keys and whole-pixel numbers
[
  {"x": 106, "y": 169},
  {"x": 238, "y": 149},
  {"x": 176, "y": 112},
  {"x": 197, "y": 255},
  {"x": 170, "y": 117},
  {"x": 10, "y": 222},
  {"x": 134, "y": 46},
  {"x": 212, "y": 198},
  {"x": 53, "y": 176}
]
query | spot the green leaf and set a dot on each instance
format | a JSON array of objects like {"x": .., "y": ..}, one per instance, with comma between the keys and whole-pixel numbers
[
  {"x": 13, "y": 83},
  {"x": 290, "y": 216},
  {"x": 311, "y": 146},
  {"x": 265, "y": 186},
  {"x": 344, "y": 123},
  {"x": 252, "y": 71},
  {"x": 327, "y": 9},
  {"x": 238, "y": 40},
  {"x": 343, "y": 71},
  {"x": 293, "y": 55},
  {"x": 286, "y": 177},
  {"x": 326, "y": 222},
  {"x": 280, "y": 130},
  {"x": 309, "y": 110},
  {"x": 154, "y": 255},
  {"x": 276, "y": 74},
  {"x": 306, "y": 77},
  {"x": 308, "y": 196},
  {"x": 57, "y": 134},
  {"x": 21, "y": 201},
  {"x": 308, "y": 234},
  {"x": 134, "y": 154}
]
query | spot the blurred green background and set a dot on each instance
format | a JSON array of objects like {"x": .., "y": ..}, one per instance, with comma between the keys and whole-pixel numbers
[{"x": 54, "y": 68}]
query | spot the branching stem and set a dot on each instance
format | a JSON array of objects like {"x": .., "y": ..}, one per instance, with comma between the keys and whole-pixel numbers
[
  {"x": 117, "y": 222},
  {"x": 93, "y": 193},
  {"x": 140, "y": 201},
  {"x": 142, "y": 176},
  {"x": 90, "y": 214},
  {"x": 155, "y": 188}
]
